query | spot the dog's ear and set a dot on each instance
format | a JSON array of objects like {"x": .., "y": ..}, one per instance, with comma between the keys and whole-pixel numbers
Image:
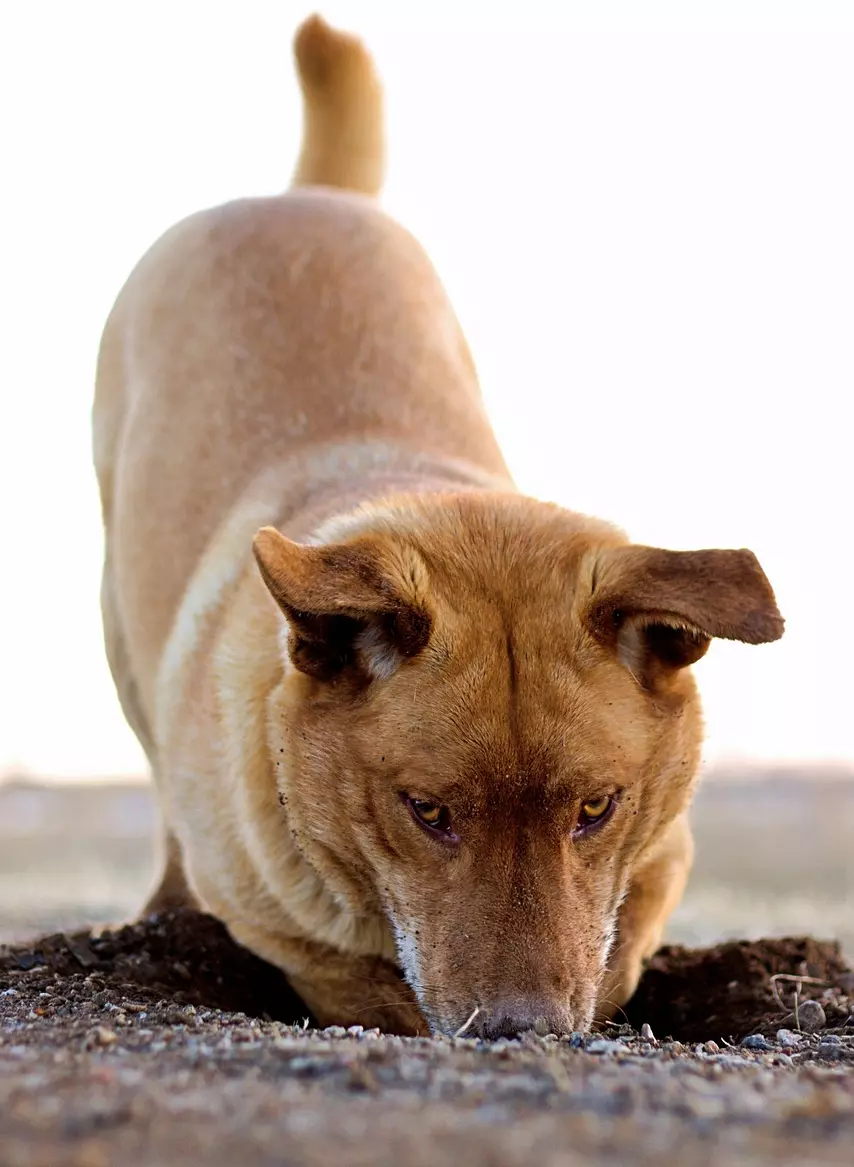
[
  {"x": 659, "y": 609},
  {"x": 359, "y": 605}
]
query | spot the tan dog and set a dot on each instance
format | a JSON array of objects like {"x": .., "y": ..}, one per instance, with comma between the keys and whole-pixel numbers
[{"x": 435, "y": 755}]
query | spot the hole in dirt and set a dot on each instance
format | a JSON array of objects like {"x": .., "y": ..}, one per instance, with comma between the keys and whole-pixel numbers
[{"x": 692, "y": 995}]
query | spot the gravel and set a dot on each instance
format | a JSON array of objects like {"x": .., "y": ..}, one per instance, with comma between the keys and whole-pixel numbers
[{"x": 164, "y": 1043}]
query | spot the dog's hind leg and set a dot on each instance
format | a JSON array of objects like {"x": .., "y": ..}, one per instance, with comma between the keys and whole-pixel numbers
[{"x": 172, "y": 890}]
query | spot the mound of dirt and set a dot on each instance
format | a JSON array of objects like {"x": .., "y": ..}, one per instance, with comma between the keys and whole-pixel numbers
[
  {"x": 729, "y": 991},
  {"x": 740, "y": 988},
  {"x": 184, "y": 955}
]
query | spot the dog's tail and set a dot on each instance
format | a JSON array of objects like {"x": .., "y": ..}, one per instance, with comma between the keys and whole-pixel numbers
[{"x": 343, "y": 142}]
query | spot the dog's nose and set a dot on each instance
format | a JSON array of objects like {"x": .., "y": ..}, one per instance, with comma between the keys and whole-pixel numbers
[{"x": 512, "y": 1018}]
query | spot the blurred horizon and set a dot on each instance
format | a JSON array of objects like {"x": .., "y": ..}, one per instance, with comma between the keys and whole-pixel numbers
[
  {"x": 642, "y": 215},
  {"x": 757, "y": 871}
]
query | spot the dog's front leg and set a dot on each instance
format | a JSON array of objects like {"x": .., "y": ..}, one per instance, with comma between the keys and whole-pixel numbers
[
  {"x": 656, "y": 890},
  {"x": 341, "y": 988}
]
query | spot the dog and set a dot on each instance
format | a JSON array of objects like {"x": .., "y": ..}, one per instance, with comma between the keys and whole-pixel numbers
[{"x": 420, "y": 741}]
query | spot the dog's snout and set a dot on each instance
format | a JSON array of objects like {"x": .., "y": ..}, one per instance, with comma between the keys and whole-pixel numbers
[{"x": 513, "y": 1018}]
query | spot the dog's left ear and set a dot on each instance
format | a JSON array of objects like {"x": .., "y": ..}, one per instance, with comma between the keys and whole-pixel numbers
[
  {"x": 659, "y": 609},
  {"x": 358, "y": 607}
]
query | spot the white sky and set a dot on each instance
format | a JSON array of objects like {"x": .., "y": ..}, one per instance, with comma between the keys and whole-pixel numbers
[{"x": 643, "y": 212}]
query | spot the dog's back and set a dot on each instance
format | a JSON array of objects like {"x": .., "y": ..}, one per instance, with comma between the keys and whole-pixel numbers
[{"x": 266, "y": 351}]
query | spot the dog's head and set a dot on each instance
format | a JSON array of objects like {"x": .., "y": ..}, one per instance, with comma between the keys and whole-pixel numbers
[{"x": 491, "y": 720}]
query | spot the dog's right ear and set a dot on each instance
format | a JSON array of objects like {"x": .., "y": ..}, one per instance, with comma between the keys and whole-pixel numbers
[
  {"x": 356, "y": 606},
  {"x": 659, "y": 609}
]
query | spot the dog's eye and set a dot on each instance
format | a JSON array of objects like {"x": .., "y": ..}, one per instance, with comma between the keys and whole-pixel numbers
[
  {"x": 432, "y": 815},
  {"x": 594, "y": 813}
]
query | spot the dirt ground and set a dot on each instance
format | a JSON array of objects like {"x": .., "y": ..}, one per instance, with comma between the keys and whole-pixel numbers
[{"x": 164, "y": 1043}]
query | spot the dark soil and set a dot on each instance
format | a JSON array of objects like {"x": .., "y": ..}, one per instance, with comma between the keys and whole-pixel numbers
[
  {"x": 184, "y": 955},
  {"x": 728, "y": 991},
  {"x": 690, "y": 995}
]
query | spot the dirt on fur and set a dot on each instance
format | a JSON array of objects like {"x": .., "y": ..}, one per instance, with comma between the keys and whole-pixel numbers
[{"x": 164, "y": 1042}]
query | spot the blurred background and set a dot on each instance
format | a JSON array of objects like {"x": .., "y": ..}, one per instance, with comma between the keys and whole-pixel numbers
[{"x": 643, "y": 214}]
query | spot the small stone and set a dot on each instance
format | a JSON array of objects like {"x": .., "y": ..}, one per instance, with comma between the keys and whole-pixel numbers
[
  {"x": 602, "y": 1045},
  {"x": 28, "y": 960},
  {"x": 755, "y": 1041},
  {"x": 355, "y": 1030},
  {"x": 646, "y": 1032},
  {"x": 335, "y": 1031},
  {"x": 307, "y": 1065},
  {"x": 576, "y": 1040},
  {"x": 733, "y": 1061},
  {"x": 102, "y": 1036},
  {"x": 811, "y": 1017},
  {"x": 787, "y": 1037},
  {"x": 833, "y": 1053},
  {"x": 782, "y": 1060},
  {"x": 712, "y": 1047}
]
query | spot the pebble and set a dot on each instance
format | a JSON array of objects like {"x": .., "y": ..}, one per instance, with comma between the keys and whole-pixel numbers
[
  {"x": 833, "y": 1053},
  {"x": 782, "y": 1060},
  {"x": 788, "y": 1037},
  {"x": 646, "y": 1032},
  {"x": 756, "y": 1041},
  {"x": 602, "y": 1045},
  {"x": 573, "y": 1040},
  {"x": 712, "y": 1047},
  {"x": 355, "y": 1030},
  {"x": 811, "y": 1016},
  {"x": 102, "y": 1036},
  {"x": 732, "y": 1061}
]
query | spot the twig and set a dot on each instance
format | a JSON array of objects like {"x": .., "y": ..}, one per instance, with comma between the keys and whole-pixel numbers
[
  {"x": 463, "y": 1028},
  {"x": 799, "y": 980}
]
